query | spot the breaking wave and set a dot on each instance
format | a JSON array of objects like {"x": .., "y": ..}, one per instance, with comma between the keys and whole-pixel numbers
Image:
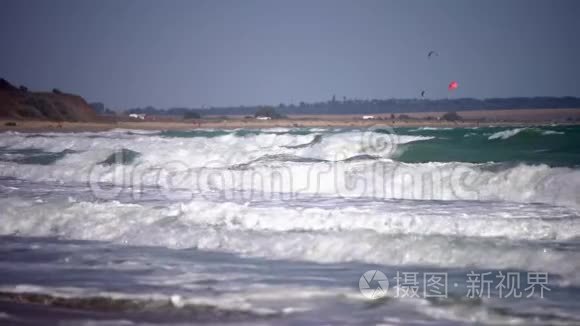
[
  {"x": 505, "y": 134},
  {"x": 396, "y": 233},
  {"x": 345, "y": 164}
]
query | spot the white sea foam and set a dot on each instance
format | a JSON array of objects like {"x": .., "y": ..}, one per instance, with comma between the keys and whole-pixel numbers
[
  {"x": 552, "y": 132},
  {"x": 199, "y": 164},
  {"x": 385, "y": 180},
  {"x": 340, "y": 146},
  {"x": 195, "y": 152},
  {"x": 320, "y": 235},
  {"x": 431, "y": 128},
  {"x": 505, "y": 134},
  {"x": 257, "y": 196}
]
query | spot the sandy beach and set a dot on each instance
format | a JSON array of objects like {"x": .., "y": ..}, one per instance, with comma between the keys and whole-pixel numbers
[{"x": 419, "y": 119}]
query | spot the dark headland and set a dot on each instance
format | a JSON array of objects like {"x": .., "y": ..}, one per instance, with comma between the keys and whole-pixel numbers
[{"x": 21, "y": 104}]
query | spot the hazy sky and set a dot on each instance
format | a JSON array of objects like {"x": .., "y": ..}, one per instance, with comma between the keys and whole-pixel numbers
[{"x": 129, "y": 53}]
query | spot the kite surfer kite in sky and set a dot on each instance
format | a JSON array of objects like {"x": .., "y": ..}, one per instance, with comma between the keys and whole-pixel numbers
[{"x": 453, "y": 86}]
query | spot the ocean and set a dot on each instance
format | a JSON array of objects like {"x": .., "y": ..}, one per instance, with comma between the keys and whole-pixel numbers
[{"x": 291, "y": 226}]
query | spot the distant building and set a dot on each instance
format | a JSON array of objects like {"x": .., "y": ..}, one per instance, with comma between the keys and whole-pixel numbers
[
  {"x": 368, "y": 117},
  {"x": 137, "y": 116},
  {"x": 263, "y": 118}
]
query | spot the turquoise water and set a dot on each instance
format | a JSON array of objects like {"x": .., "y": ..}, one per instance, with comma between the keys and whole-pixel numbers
[{"x": 554, "y": 146}]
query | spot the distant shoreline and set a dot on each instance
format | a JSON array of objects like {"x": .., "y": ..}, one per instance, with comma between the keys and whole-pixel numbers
[{"x": 473, "y": 118}]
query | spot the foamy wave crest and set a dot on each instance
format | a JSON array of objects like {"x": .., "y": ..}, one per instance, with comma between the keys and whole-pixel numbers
[
  {"x": 264, "y": 179},
  {"x": 348, "y": 164},
  {"x": 431, "y": 129},
  {"x": 505, "y": 134},
  {"x": 195, "y": 151},
  {"x": 228, "y": 148},
  {"x": 393, "y": 180},
  {"x": 552, "y": 132},
  {"x": 334, "y": 235},
  {"x": 342, "y": 146}
]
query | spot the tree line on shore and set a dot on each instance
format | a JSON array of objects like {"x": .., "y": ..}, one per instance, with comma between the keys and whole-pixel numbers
[{"x": 372, "y": 107}]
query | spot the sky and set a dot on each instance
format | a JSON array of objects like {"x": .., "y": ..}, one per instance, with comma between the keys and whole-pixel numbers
[{"x": 193, "y": 53}]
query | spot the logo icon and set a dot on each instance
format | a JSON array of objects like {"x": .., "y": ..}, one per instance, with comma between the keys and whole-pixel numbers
[{"x": 373, "y": 284}]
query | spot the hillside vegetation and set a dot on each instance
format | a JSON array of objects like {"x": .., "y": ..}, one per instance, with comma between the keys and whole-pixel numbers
[{"x": 19, "y": 103}]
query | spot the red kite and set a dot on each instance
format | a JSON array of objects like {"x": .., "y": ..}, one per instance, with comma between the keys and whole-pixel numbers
[{"x": 453, "y": 86}]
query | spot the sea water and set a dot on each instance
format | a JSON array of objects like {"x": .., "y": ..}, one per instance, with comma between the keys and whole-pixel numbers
[{"x": 418, "y": 226}]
